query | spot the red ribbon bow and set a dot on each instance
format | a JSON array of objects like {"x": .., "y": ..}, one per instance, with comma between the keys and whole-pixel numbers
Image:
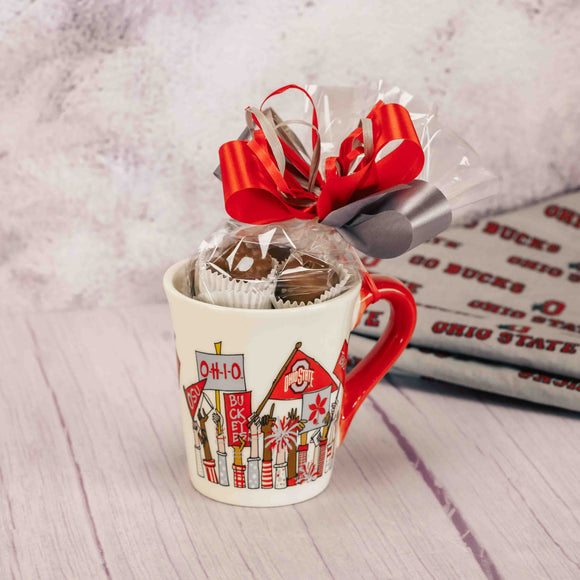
[{"x": 256, "y": 192}]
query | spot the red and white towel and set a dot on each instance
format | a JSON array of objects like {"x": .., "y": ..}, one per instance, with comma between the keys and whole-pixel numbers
[{"x": 498, "y": 305}]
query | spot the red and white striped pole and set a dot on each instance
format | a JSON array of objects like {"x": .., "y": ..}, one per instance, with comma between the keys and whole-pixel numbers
[
  {"x": 267, "y": 474},
  {"x": 239, "y": 475},
  {"x": 210, "y": 470}
]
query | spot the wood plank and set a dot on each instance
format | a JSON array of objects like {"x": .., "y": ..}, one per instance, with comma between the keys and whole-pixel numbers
[
  {"x": 112, "y": 375},
  {"x": 47, "y": 527},
  {"x": 511, "y": 469}
]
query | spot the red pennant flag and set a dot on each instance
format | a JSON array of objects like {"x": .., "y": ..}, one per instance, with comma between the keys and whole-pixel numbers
[
  {"x": 340, "y": 368},
  {"x": 302, "y": 374},
  {"x": 193, "y": 394}
]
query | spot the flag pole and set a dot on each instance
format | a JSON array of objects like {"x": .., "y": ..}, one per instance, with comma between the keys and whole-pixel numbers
[
  {"x": 218, "y": 350},
  {"x": 278, "y": 377}
]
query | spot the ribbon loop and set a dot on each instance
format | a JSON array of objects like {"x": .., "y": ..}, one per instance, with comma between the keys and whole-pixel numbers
[
  {"x": 269, "y": 133},
  {"x": 270, "y": 177}
]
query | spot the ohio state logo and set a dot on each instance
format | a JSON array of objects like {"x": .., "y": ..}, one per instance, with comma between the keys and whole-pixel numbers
[{"x": 299, "y": 378}]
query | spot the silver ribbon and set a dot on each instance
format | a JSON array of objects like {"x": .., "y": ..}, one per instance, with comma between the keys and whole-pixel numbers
[{"x": 391, "y": 222}]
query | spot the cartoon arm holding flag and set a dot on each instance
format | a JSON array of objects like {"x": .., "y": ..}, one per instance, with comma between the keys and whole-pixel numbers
[
  {"x": 221, "y": 448},
  {"x": 293, "y": 450},
  {"x": 197, "y": 447},
  {"x": 208, "y": 461},
  {"x": 331, "y": 437},
  {"x": 267, "y": 423},
  {"x": 323, "y": 443},
  {"x": 335, "y": 417},
  {"x": 254, "y": 459},
  {"x": 316, "y": 439},
  {"x": 239, "y": 467}
]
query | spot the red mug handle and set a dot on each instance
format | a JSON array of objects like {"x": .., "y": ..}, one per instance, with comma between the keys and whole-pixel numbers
[{"x": 369, "y": 371}]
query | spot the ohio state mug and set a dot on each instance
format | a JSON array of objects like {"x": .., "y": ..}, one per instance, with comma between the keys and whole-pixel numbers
[{"x": 265, "y": 398}]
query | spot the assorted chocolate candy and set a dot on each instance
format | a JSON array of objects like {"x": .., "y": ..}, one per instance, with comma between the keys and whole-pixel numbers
[
  {"x": 243, "y": 260},
  {"x": 304, "y": 278},
  {"x": 274, "y": 266}
]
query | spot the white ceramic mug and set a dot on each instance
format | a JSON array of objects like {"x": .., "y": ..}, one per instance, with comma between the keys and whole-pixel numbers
[{"x": 264, "y": 398}]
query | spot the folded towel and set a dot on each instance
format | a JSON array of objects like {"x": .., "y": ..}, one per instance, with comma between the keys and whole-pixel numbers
[{"x": 498, "y": 304}]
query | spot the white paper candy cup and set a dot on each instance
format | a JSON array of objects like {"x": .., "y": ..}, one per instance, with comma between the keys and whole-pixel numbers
[{"x": 223, "y": 290}]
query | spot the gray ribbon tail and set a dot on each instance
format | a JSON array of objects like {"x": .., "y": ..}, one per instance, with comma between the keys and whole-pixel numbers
[{"x": 392, "y": 222}]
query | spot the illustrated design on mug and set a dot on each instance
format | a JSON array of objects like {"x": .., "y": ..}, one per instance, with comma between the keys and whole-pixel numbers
[{"x": 297, "y": 445}]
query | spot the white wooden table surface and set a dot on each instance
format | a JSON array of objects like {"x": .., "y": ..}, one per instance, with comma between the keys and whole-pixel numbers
[{"x": 433, "y": 481}]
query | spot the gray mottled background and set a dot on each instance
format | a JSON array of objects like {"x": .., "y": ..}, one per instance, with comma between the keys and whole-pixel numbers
[{"x": 112, "y": 111}]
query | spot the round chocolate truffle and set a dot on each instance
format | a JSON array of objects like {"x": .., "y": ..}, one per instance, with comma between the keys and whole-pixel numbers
[
  {"x": 242, "y": 260},
  {"x": 305, "y": 278}
]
